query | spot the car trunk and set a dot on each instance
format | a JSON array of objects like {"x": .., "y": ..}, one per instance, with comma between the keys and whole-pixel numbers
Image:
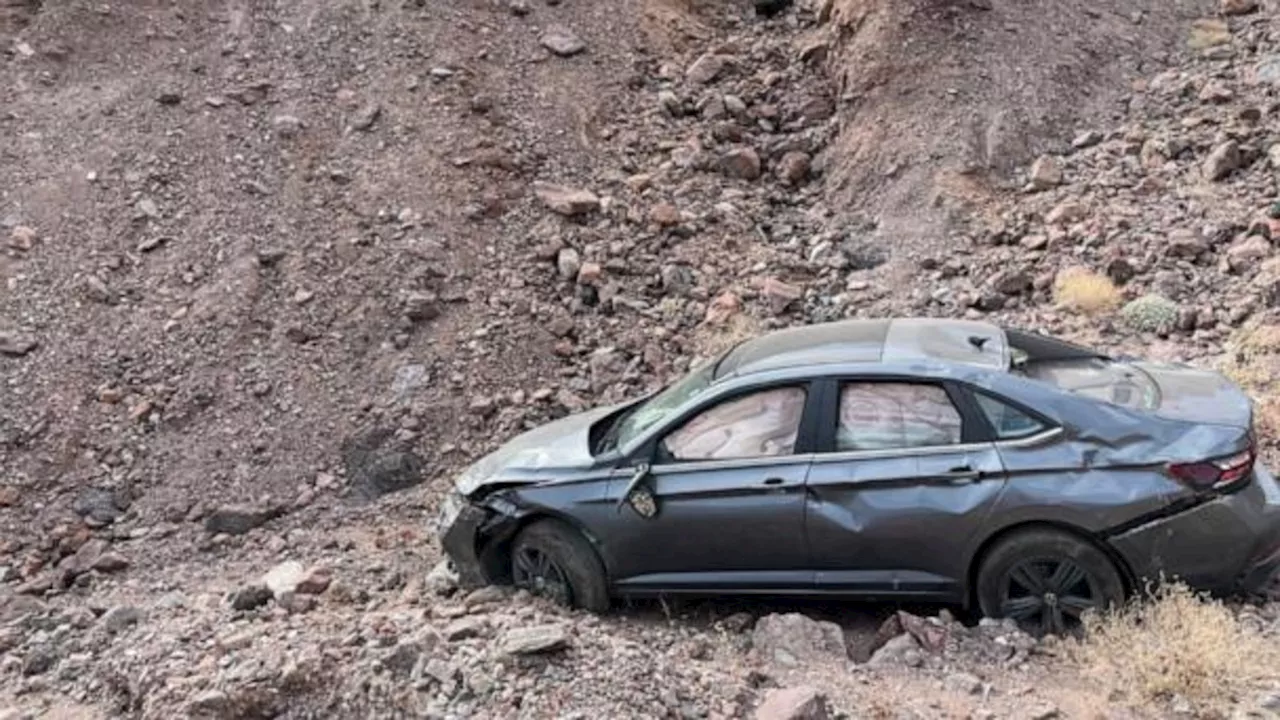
[{"x": 1174, "y": 392}]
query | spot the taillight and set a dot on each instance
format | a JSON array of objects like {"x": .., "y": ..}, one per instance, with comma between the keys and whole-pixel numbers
[{"x": 1215, "y": 474}]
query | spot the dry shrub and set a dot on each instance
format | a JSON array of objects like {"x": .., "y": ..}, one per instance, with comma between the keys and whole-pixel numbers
[
  {"x": 1253, "y": 361},
  {"x": 1174, "y": 641},
  {"x": 712, "y": 339},
  {"x": 1079, "y": 288},
  {"x": 1253, "y": 355}
]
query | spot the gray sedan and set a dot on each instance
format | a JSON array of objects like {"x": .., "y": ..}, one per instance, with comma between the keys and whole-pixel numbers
[{"x": 913, "y": 458}]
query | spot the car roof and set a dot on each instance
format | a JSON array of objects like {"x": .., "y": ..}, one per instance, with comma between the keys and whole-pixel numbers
[{"x": 872, "y": 341}]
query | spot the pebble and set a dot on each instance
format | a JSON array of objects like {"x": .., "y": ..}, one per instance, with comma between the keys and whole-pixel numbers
[
  {"x": 562, "y": 41},
  {"x": 23, "y": 238}
]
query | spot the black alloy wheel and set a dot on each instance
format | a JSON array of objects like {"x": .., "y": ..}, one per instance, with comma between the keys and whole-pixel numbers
[
  {"x": 554, "y": 560},
  {"x": 1047, "y": 580},
  {"x": 1049, "y": 596},
  {"x": 537, "y": 572}
]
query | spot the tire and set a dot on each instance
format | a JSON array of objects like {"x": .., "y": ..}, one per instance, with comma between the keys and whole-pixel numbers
[
  {"x": 573, "y": 558},
  {"x": 1031, "y": 577}
]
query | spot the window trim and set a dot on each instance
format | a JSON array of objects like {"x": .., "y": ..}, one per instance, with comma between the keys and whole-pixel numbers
[
  {"x": 971, "y": 435},
  {"x": 1047, "y": 424},
  {"x": 654, "y": 450}
]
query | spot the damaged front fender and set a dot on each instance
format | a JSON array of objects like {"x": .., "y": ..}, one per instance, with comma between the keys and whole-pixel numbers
[
  {"x": 458, "y": 541},
  {"x": 467, "y": 532},
  {"x": 473, "y": 535}
]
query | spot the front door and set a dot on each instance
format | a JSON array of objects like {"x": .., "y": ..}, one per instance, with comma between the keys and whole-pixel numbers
[
  {"x": 725, "y": 505},
  {"x": 900, "y": 478}
]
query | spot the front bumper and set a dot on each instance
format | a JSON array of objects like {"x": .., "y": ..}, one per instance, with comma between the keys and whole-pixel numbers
[
  {"x": 458, "y": 530},
  {"x": 1230, "y": 544}
]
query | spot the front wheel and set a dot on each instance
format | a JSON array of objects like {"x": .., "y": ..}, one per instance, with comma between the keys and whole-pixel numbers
[
  {"x": 553, "y": 560},
  {"x": 1046, "y": 580}
]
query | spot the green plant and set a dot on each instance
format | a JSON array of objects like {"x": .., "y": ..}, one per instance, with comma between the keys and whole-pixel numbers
[{"x": 1151, "y": 313}]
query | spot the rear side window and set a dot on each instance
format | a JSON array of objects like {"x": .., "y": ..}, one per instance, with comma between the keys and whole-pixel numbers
[
  {"x": 762, "y": 424},
  {"x": 889, "y": 416},
  {"x": 1008, "y": 422}
]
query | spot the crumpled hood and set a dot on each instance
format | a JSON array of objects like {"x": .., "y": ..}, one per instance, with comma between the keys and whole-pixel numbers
[{"x": 563, "y": 443}]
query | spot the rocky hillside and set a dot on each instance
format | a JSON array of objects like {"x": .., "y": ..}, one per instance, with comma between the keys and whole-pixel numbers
[{"x": 272, "y": 273}]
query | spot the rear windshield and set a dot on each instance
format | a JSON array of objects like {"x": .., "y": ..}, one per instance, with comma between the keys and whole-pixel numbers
[
  {"x": 1081, "y": 370},
  {"x": 1098, "y": 378}
]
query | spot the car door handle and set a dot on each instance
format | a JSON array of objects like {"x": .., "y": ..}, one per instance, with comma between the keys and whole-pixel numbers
[
  {"x": 963, "y": 474},
  {"x": 774, "y": 481}
]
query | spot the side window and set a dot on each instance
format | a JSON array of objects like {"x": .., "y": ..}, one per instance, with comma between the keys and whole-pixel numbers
[
  {"x": 892, "y": 415},
  {"x": 762, "y": 424},
  {"x": 1008, "y": 422}
]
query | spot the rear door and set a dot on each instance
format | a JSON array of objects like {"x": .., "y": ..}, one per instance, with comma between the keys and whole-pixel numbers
[{"x": 903, "y": 477}]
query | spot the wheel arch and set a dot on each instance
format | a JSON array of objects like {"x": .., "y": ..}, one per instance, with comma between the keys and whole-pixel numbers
[
  {"x": 1127, "y": 575},
  {"x": 495, "y": 555}
]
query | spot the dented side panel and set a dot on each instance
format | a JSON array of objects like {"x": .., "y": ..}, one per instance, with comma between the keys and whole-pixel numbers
[
  {"x": 1082, "y": 485},
  {"x": 881, "y": 524}
]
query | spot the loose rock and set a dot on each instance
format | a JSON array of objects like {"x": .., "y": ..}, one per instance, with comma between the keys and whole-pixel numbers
[
  {"x": 568, "y": 263},
  {"x": 250, "y": 597},
  {"x": 1247, "y": 253},
  {"x": 1046, "y": 172},
  {"x": 366, "y": 116},
  {"x": 22, "y": 238},
  {"x": 900, "y": 650},
  {"x": 793, "y": 168},
  {"x": 706, "y": 68},
  {"x": 1239, "y": 7},
  {"x": 99, "y": 506},
  {"x": 17, "y": 344},
  {"x": 779, "y": 295},
  {"x": 239, "y": 519},
  {"x": 566, "y": 201},
  {"x": 120, "y": 618},
  {"x": 562, "y": 41},
  {"x": 536, "y": 639},
  {"x": 793, "y": 638},
  {"x": 741, "y": 162},
  {"x": 1224, "y": 159},
  {"x": 798, "y": 703}
]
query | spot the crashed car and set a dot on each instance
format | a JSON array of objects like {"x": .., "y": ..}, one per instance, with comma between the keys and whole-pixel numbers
[{"x": 913, "y": 458}]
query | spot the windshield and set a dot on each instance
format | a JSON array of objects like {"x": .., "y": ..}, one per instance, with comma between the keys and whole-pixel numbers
[{"x": 643, "y": 416}]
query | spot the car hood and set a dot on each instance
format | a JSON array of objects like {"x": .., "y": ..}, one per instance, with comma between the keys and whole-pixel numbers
[{"x": 560, "y": 444}]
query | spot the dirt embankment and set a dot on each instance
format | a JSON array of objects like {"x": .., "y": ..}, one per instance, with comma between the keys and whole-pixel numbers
[
  {"x": 263, "y": 264},
  {"x": 946, "y": 102}
]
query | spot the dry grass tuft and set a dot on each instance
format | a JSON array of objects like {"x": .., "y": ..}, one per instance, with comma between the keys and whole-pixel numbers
[
  {"x": 1081, "y": 289},
  {"x": 712, "y": 339},
  {"x": 1253, "y": 361},
  {"x": 1175, "y": 641}
]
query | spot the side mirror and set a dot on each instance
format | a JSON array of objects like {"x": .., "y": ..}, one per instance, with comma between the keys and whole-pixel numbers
[{"x": 641, "y": 472}]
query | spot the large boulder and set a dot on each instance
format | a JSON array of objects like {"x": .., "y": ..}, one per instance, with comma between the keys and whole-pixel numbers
[
  {"x": 377, "y": 465},
  {"x": 792, "y": 638}
]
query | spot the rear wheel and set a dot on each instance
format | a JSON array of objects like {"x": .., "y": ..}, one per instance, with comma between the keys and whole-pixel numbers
[
  {"x": 1046, "y": 580},
  {"x": 553, "y": 560}
]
